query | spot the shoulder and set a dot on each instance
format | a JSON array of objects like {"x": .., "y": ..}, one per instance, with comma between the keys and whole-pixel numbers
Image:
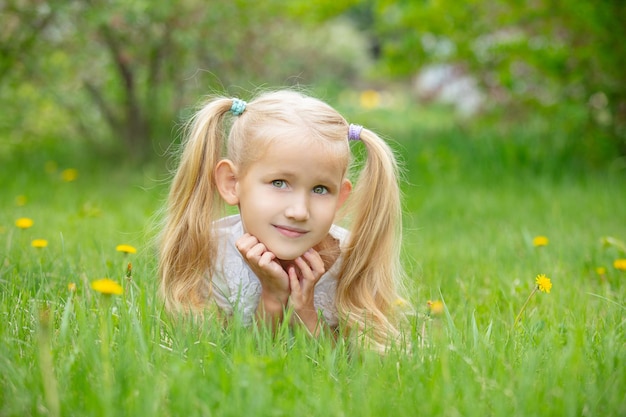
[
  {"x": 229, "y": 264},
  {"x": 229, "y": 225},
  {"x": 235, "y": 287},
  {"x": 227, "y": 231},
  {"x": 339, "y": 233}
]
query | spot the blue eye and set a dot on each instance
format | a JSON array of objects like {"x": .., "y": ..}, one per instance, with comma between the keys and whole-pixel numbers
[
  {"x": 320, "y": 189},
  {"x": 279, "y": 183}
]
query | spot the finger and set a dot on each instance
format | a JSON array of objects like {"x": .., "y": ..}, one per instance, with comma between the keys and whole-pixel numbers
[
  {"x": 303, "y": 267},
  {"x": 256, "y": 251},
  {"x": 315, "y": 260},
  {"x": 314, "y": 263},
  {"x": 266, "y": 258},
  {"x": 246, "y": 242},
  {"x": 308, "y": 279},
  {"x": 294, "y": 282}
]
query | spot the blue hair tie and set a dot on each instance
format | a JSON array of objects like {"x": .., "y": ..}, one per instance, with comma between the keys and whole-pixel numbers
[
  {"x": 238, "y": 107},
  {"x": 354, "y": 132}
]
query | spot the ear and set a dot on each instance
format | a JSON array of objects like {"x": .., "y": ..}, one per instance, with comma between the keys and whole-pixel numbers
[
  {"x": 226, "y": 181},
  {"x": 344, "y": 192}
]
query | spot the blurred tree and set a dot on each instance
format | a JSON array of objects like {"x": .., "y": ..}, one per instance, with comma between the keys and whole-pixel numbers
[
  {"x": 126, "y": 68},
  {"x": 21, "y": 26},
  {"x": 530, "y": 56}
]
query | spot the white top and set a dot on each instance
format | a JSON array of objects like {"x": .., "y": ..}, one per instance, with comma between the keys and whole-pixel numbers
[{"x": 237, "y": 289}]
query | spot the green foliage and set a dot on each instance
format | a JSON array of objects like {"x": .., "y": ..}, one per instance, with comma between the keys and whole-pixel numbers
[
  {"x": 124, "y": 71},
  {"x": 530, "y": 57}
]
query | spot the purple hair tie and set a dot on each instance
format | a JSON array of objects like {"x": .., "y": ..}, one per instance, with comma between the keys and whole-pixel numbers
[{"x": 354, "y": 132}]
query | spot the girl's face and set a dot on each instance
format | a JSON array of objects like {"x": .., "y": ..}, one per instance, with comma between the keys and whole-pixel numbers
[{"x": 289, "y": 198}]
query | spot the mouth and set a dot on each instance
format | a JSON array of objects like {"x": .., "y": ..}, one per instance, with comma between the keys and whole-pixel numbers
[{"x": 291, "y": 232}]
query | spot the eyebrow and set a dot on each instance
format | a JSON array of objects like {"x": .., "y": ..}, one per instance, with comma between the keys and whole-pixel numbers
[{"x": 321, "y": 179}]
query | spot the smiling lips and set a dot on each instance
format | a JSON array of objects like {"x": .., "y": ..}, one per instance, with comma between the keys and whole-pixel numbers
[{"x": 290, "y": 231}]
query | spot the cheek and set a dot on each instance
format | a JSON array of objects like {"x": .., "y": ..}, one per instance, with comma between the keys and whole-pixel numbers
[
  {"x": 326, "y": 211},
  {"x": 256, "y": 202},
  {"x": 250, "y": 194},
  {"x": 256, "y": 209}
]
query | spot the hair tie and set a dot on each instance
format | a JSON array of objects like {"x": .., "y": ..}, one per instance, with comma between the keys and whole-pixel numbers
[
  {"x": 354, "y": 132},
  {"x": 238, "y": 106}
]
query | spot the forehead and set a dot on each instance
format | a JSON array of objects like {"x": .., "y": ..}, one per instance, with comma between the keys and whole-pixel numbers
[{"x": 302, "y": 158}]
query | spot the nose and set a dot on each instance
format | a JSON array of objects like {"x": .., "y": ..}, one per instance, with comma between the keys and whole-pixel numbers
[{"x": 298, "y": 208}]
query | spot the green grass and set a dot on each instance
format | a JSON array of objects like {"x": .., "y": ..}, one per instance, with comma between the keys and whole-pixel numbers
[{"x": 473, "y": 204}]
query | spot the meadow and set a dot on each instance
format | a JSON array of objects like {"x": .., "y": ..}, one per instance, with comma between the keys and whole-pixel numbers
[{"x": 484, "y": 216}]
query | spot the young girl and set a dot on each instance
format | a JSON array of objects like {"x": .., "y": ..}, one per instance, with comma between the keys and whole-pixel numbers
[{"x": 283, "y": 160}]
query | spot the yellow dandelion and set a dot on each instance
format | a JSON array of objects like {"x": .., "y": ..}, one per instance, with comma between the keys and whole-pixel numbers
[
  {"x": 24, "y": 222},
  {"x": 125, "y": 249},
  {"x": 620, "y": 264},
  {"x": 370, "y": 99},
  {"x": 540, "y": 241},
  {"x": 71, "y": 287},
  {"x": 20, "y": 200},
  {"x": 543, "y": 283},
  {"x": 601, "y": 270},
  {"x": 69, "y": 174},
  {"x": 107, "y": 286},
  {"x": 39, "y": 243},
  {"x": 435, "y": 308}
]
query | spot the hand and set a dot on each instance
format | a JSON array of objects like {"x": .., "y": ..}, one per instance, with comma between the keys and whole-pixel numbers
[
  {"x": 304, "y": 274},
  {"x": 274, "y": 280}
]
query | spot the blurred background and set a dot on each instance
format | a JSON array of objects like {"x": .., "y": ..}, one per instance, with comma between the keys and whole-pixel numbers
[
  {"x": 509, "y": 118},
  {"x": 111, "y": 80}
]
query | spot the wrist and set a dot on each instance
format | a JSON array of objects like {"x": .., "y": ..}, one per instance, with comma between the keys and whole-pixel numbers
[
  {"x": 308, "y": 316},
  {"x": 271, "y": 305}
]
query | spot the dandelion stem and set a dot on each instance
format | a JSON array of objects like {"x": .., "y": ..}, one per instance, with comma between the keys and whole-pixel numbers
[
  {"x": 519, "y": 315},
  {"x": 105, "y": 358}
]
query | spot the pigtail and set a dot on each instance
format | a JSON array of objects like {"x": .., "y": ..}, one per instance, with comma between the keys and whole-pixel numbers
[
  {"x": 368, "y": 285},
  {"x": 188, "y": 247}
]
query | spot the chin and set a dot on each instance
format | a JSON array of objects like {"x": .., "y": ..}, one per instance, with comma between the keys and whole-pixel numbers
[{"x": 287, "y": 255}]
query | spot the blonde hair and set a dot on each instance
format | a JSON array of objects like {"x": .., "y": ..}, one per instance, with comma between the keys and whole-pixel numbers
[{"x": 369, "y": 275}]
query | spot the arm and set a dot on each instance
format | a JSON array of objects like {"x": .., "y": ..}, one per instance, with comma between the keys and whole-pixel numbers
[{"x": 270, "y": 309}]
